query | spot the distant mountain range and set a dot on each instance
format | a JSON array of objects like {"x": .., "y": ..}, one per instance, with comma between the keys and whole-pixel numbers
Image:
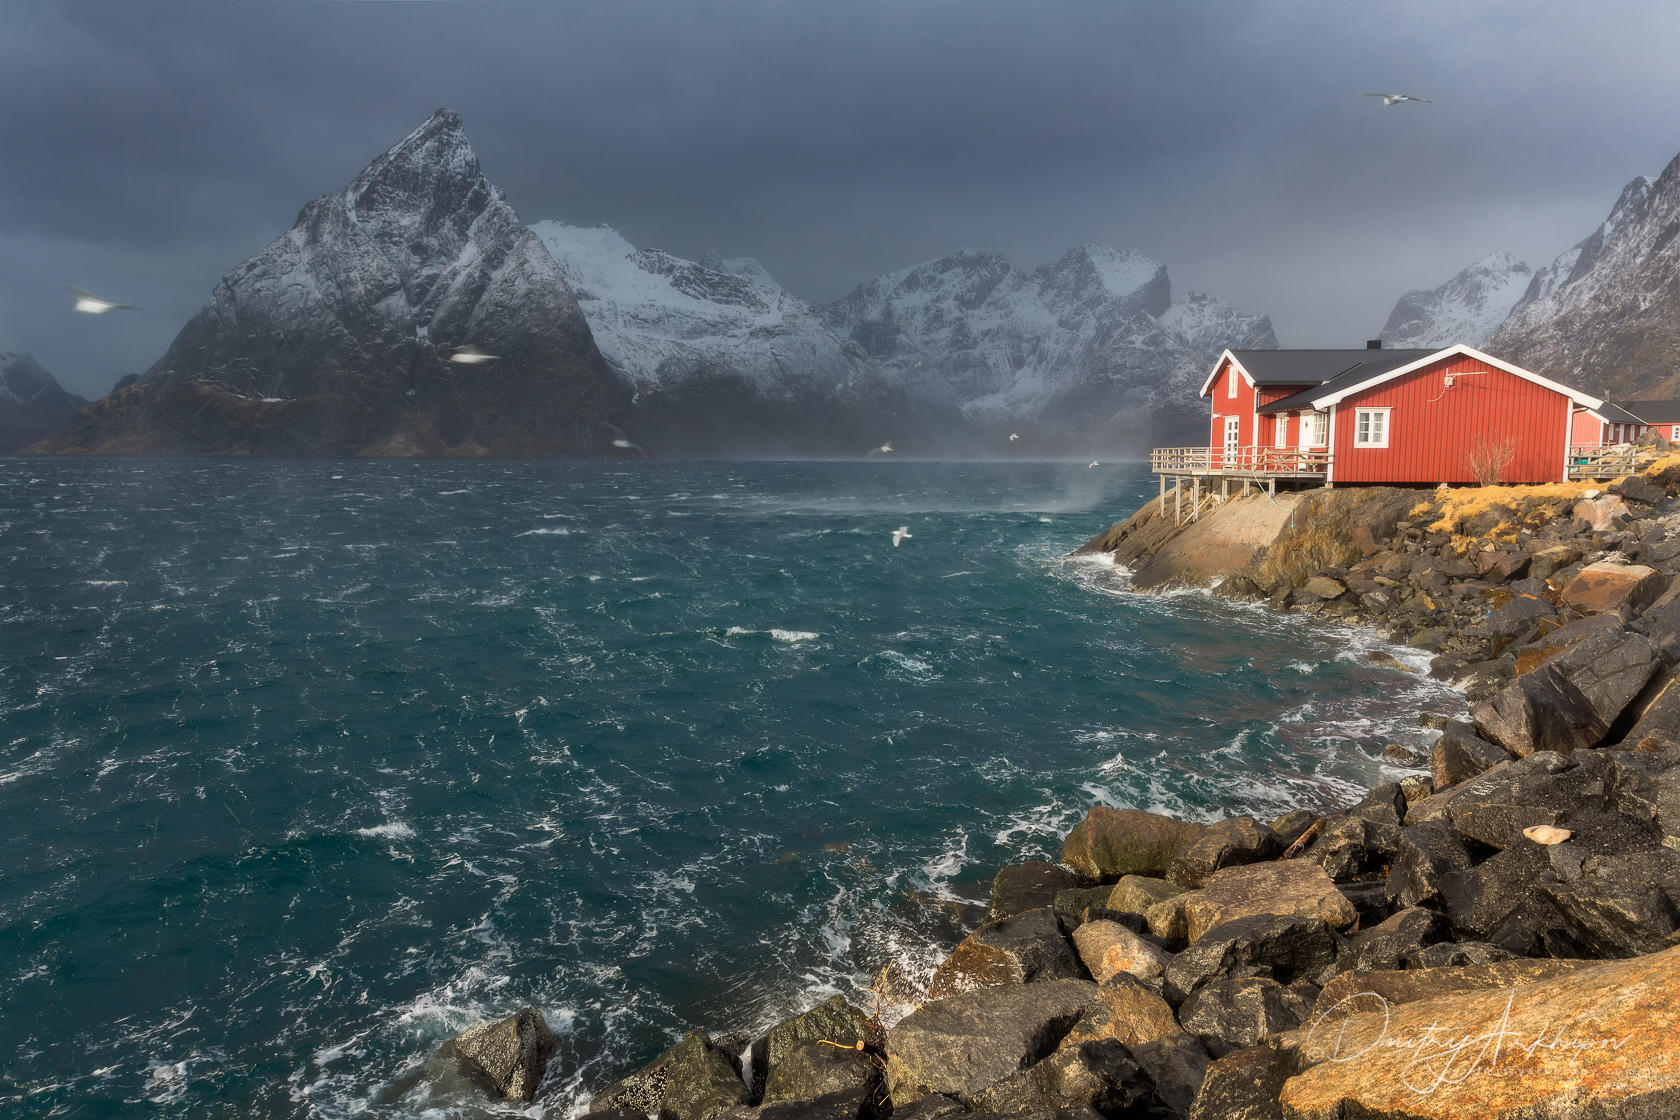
[
  {"x": 344, "y": 337},
  {"x": 337, "y": 339}
]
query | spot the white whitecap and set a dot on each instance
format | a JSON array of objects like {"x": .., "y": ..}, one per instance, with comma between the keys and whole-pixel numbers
[{"x": 391, "y": 830}]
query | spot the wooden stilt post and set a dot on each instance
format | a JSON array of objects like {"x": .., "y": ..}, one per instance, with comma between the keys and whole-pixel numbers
[
  {"x": 1271, "y": 487},
  {"x": 1196, "y": 498},
  {"x": 1245, "y": 488},
  {"x": 1178, "y": 500},
  {"x": 1224, "y": 489},
  {"x": 1163, "y": 495}
]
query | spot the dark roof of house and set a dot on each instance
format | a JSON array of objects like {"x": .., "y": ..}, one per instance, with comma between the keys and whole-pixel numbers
[
  {"x": 1616, "y": 414},
  {"x": 1374, "y": 366},
  {"x": 1316, "y": 367},
  {"x": 1652, "y": 412}
]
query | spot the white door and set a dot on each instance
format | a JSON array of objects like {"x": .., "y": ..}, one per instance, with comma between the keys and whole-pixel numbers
[{"x": 1233, "y": 435}]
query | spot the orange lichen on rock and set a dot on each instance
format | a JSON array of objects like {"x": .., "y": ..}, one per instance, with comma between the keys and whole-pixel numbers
[{"x": 1596, "y": 1042}]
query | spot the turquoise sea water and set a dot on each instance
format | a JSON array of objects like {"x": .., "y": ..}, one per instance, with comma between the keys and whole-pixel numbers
[{"x": 306, "y": 766}]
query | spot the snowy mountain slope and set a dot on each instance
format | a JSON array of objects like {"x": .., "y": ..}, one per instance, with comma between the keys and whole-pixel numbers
[
  {"x": 1611, "y": 325},
  {"x": 746, "y": 268},
  {"x": 720, "y": 359},
  {"x": 1087, "y": 346},
  {"x": 336, "y": 338},
  {"x": 1467, "y": 308},
  {"x": 32, "y": 402}
]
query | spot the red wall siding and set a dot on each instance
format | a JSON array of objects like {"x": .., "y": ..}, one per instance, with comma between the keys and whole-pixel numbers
[
  {"x": 1588, "y": 430},
  {"x": 1256, "y": 430},
  {"x": 1432, "y": 427},
  {"x": 1241, "y": 406}
]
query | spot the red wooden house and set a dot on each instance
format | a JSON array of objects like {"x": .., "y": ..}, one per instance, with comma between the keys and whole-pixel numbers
[{"x": 1396, "y": 417}]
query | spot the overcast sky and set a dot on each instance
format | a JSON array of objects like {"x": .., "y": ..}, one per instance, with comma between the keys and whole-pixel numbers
[{"x": 146, "y": 149}]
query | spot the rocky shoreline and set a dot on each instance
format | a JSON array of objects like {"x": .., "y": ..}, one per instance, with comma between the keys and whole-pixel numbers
[{"x": 1496, "y": 935}]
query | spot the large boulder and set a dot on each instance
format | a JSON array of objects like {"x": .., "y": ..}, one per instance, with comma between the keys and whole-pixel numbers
[
  {"x": 818, "y": 1052},
  {"x": 1238, "y": 1012},
  {"x": 1570, "y": 701},
  {"x": 1414, "y": 984},
  {"x": 1099, "y": 1075},
  {"x": 1348, "y": 846},
  {"x": 1030, "y": 886},
  {"x": 1609, "y": 586},
  {"x": 1227, "y": 843},
  {"x": 1110, "y": 843},
  {"x": 1177, "y": 1064},
  {"x": 1293, "y": 887},
  {"x": 694, "y": 1080},
  {"x": 960, "y": 1045},
  {"x": 1427, "y": 851},
  {"x": 1457, "y": 757},
  {"x": 1244, "y": 1085},
  {"x": 1621, "y": 906},
  {"x": 1284, "y": 947},
  {"x": 1108, "y": 948},
  {"x": 1017, "y": 950},
  {"x": 1388, "y": 943},
  {"x": 817, "y": 1069},
  {"x": 1502, "y": 901},
  {"x": 1126, "y": 1010},
  {"x": 511, "y": 1055},
  {"x": 1595, "y": 1043}
]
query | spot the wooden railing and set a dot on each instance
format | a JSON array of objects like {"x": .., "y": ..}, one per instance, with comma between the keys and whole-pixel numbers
[
  {"x": 1240, "y": 460},
  {"x": 1592, "y": 461}
]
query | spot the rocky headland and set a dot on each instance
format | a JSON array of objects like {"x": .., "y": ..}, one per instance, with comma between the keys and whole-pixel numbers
[{"x": 1497, "y": 934}]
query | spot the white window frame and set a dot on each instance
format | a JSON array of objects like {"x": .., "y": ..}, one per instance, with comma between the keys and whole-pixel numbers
[
  {"x": 1233, "y": 435},
  {"x": 1231, "y": 389},
  {"x": 1280, "y": 436},
  {"x": 1363, "y": 426},
  {"x": 1314, "y": 429}
]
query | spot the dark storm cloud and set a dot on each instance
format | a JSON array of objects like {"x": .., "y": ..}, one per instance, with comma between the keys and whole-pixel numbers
[{"x": 149, "y": 148}]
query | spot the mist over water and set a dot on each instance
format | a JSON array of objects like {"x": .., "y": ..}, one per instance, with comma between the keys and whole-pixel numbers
[{"x": 305, "y": 766}]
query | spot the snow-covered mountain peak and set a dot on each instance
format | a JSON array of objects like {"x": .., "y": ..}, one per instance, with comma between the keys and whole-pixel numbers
[
  {"x": 1096, "y": 274},
  {"x": 1467, "y": 308}
]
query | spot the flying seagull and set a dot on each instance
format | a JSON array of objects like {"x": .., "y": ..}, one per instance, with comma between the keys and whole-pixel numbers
[
  {"x": 93, "y": 305},
  {"x": 884, "y": 449},
  {"x": 1092, "y": 463},
  {"x": 622, "y": 441},
  {"x": 1013, "y": 436},
  {"x": 900, "y": 535},
  {"x": 472, "y": 356},
  {"x": 1392, "y": 99}
]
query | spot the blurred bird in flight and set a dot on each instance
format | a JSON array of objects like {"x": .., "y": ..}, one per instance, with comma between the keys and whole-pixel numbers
[
  {"x": 93, "y": 305},
  {"x": 900, "y": 535},
  {"x": 1392, "y": 99},
  {"x": 472, "y": 356},
  {"x": 884, "y": 449}
]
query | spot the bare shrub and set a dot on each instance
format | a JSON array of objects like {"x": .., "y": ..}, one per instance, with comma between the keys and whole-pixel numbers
[{"x": 1488, "y": 457}]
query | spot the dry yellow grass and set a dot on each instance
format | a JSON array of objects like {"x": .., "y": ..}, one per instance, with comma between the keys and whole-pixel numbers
[{"x": 1529, "y": 505}]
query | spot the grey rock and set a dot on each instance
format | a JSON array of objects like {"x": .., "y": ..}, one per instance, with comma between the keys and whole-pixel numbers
[
  {"x": 815, "y": 1069},
  {"x": 1232, "y": 1014},
  {"x": 1427, "y": 851},
  {"x": 1387, "y": 944},
  {"x": 1622, "y": 905},
  {"x": 1456, "y": 954},
  {"x": 1227, "y": 843},
  {"x": 511, "y": 1055},
  {"x": 1099, "y": 1075},
  {"x": 1030, "y": 886},
  {"x": 960, "y": 1045},
  {"x": 1457, "y": 757},
  {"x": 1282, "y": 947},
  {"x": 1245, "y": 1085},
  {"x": 1017, "y": 950},
  {"x": 1178, "y": 1065},
  {"x": 694, "y": 1080}
]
